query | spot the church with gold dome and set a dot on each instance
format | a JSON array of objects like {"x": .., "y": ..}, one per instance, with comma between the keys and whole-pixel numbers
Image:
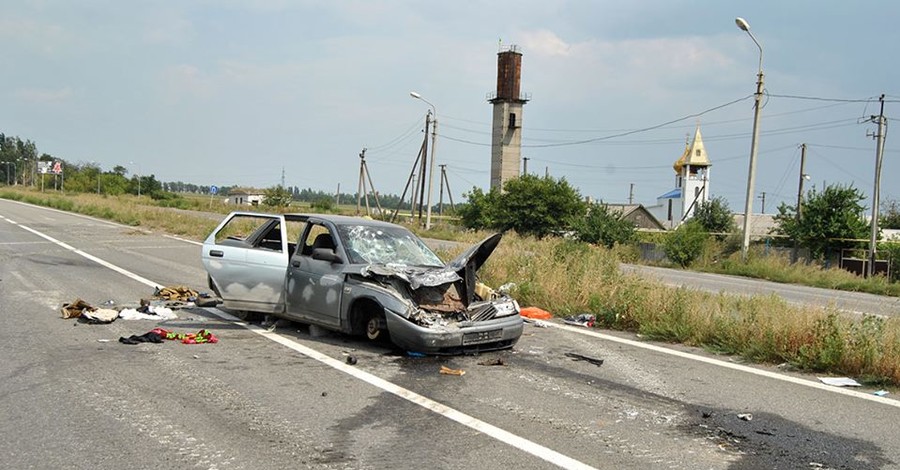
[{"x": 691, "y": 185}]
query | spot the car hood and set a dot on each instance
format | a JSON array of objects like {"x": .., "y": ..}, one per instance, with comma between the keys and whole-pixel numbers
[{"x": 463, "y": 267}]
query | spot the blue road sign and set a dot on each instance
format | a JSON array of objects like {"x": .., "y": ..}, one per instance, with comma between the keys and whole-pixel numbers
[{"x": 214, "y": 189}]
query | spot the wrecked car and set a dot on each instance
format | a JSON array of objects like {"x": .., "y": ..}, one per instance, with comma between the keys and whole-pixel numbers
[{"x": 361, "y": 277}]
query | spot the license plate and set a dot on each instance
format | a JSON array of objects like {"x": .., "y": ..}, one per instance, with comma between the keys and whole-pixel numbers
[{"x": 479, "y": 337}]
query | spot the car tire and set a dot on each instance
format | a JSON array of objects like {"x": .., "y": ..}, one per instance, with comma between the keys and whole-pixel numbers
[{"x": 375, "y": 327}]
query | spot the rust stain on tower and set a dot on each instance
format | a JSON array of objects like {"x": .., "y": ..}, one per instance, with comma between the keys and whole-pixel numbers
[{"x": 506, "y": 135}]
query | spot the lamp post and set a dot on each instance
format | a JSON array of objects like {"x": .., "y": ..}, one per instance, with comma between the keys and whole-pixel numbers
[
  {"x": 431, "y": 170},
  {"x": 751, "y": 174},
  {"x": 139, "y": 178}
]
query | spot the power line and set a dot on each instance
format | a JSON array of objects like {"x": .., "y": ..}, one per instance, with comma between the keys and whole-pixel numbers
[{"x": 835, "y": 100}]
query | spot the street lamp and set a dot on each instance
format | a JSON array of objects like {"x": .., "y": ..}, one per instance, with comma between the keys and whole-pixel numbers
[
  {"x": 431, "y": 170},
  {"x": 139, "y": 178},
  {"x": 751, "y": 174}
]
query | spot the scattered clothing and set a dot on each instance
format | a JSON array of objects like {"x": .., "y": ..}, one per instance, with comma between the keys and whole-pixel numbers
[
  {"x": 200, "y": 337},
  {"x": 182, "y": 293},
  {"x": 585, "y": 320},
  {"x": 76, "y": 308},
  {"x": 149, "y": 337},
  {"x": 150, "y": 312},
  {"x": 158, "y": 335},
  {"x": 101, "y": 315}
]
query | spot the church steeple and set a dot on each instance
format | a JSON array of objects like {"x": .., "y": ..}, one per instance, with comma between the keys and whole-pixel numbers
[{"x": 694, "y": 154}]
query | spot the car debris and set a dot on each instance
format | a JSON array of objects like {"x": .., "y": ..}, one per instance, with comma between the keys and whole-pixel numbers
[
  {"x": 448, "y": 371},
  {"x": 581, "y": 357},
  {"x": 880, "y": 393},
  {"x": 840, "y": 381},
  {"x": 745, "y": 416},
  {"x": 497, "y": 361},
  {"x": 351, "y": 360}
]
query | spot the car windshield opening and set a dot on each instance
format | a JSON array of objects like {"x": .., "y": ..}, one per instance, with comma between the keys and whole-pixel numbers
[{"x": 386, "y": 245}]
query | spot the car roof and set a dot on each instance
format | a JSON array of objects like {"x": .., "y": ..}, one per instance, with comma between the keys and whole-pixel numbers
[{"x": 348, "y": 220}]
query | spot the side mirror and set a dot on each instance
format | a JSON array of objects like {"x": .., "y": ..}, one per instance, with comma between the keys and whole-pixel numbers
[{"x": 326, "y": 254}]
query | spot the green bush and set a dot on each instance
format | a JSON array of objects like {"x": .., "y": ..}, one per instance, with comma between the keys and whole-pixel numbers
[
  {"x": 322, "y": 205},
  {"x": 602, "y": 227},
  {"x": 685, "y": 244}
]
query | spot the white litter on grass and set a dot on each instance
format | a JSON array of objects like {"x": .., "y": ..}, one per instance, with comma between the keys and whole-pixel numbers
[
  {"x": 156, "y": 313},
  {"x": 840, "y": 381}
]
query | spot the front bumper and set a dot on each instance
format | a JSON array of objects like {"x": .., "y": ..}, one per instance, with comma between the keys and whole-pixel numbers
[{"x": 489, "y": 335}]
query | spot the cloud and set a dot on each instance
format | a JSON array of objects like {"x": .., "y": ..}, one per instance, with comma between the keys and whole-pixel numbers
[
  {"x": 44, "y": 96},
  {"x": 186, "y": 79},
  {"x": 168, "y": 30},
  {"x": 44, "y": 37},
  {"x": 545, "y": 43}
]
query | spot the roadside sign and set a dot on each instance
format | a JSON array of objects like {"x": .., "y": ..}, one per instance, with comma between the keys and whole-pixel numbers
[{"x": 214, "y": 190}]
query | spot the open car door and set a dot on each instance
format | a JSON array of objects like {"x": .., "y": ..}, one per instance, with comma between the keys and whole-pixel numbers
[{"x": 246, "y": 258}]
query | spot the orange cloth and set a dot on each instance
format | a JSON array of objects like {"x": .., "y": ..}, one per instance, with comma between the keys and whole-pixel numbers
[{"x": 536, "y": 313}]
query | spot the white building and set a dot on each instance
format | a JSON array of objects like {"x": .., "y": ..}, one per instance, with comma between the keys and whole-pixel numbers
[{"x": 691, "y": 185}]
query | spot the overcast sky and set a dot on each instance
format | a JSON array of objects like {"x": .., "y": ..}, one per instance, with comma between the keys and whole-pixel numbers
[{"x": 230, "y": 92}]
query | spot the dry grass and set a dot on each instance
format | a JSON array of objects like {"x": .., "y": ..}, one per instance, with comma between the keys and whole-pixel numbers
[{"x": 567, "y": 278}]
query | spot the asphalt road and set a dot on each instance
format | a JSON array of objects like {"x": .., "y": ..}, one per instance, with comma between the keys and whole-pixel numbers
[{"x": 287, "y": 399}]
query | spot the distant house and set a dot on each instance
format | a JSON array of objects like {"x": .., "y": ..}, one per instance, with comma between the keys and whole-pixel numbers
[
  {"x": 761, "y": 225},
  {"x": 636, "y": 214},
  {"x": 245, "y": 198}
]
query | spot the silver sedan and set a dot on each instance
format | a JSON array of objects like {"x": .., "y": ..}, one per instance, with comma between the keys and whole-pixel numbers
[{"x": 361, "y": 277}]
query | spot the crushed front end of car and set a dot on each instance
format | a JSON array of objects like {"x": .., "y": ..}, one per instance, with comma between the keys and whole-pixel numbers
[{"x": 437, "y": 310}]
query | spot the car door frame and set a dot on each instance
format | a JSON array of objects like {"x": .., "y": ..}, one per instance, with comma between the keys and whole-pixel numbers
[
  {"x": 248, "y": 277},
  {"x": 314, "y": 288}
]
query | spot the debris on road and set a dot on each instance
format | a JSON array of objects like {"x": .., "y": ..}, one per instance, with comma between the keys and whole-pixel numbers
[
  {"x": 415, "y": 354},
  {"x": 99, "y": 316},
  {"x": 497, "y": 361},
  {"x": 147, "y": 312},
  {"x": 448, "y": 371},
  {"x": 745, "y": 416},
  {"x": 840, "y": 381},
  {"x": 881, "y": 393},
  {"x": 76, "y": 308},
  {"x": 149, "y": 337},
  {"x": 535, "y": 313},
  {"x": 351, "y": 360},
  {"x": 581, "y": 357},
  {"x": 585, "y": 319},
  {"x": 182, "y": 293},
  {"x": 157, "y": 335}
]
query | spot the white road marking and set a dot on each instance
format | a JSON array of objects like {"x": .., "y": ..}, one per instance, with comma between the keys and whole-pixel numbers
[
  {"x": 728, "y": 365},
  {"x": 476, "y": 424},
  {"x": 89, "y": 256}
]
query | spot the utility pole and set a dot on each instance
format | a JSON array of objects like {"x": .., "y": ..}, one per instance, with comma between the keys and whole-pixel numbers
[
  {"x": 631, "y": 193},
  {"x": 441, "y": 192},
  {"x": 525, "y": 163},
  {"x": 763, "y": 197},
  {"x": 546, "y": 172},
  {"x": 337, "y": 196},
  {"x": 879, "y": 154},
  {"x": 795, "y": 255},
  {"x": 282, "y": 177}
]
